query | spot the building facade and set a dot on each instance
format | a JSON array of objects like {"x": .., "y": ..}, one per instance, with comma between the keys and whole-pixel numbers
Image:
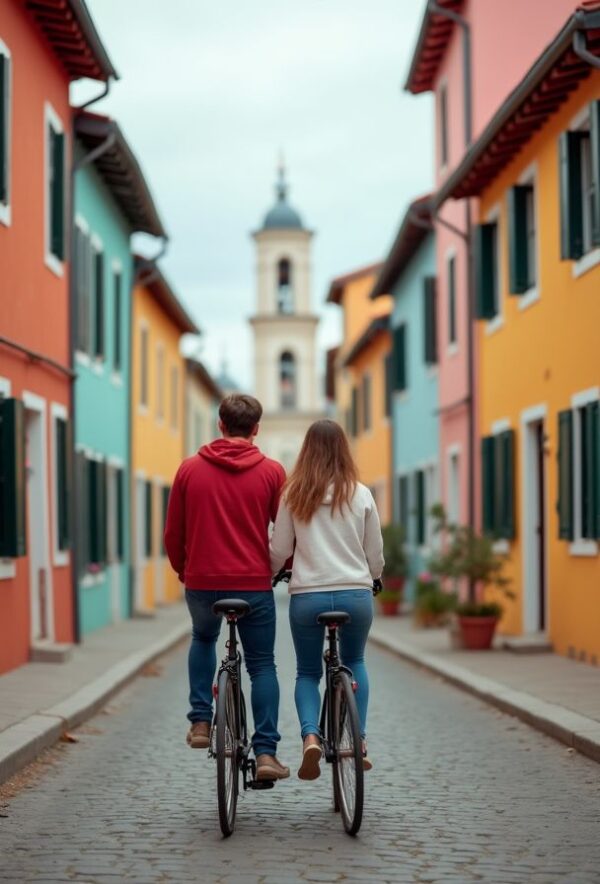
[
  {"x": 202, "y": 398},
  {"x": 284, "y": 329},
  {"x": 37, "y": 64},
  {"x": 111, "y": 202}
]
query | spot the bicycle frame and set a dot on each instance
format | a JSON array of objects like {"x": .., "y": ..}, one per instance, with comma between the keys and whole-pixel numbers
[{"x": 333, "y": 667}]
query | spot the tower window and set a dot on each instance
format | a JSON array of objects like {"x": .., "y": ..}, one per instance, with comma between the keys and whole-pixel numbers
[
  {"x": 285, "y": 294},
  {"x": 287, "y": 380}
]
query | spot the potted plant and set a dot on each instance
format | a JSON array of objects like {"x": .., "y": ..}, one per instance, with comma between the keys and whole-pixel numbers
[
  {"x": 433, "y": 604},
  {"x": 394, "y": 571},
  {"x": 470, "y": 556}
]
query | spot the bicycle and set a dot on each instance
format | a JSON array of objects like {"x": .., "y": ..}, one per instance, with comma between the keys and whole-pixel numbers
[
  {"x": 339, "y": 722},
  {"x": 229, "y": 743}
]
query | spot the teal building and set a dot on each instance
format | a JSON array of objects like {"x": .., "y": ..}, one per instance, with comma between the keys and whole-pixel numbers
[
  {"x": 408, "y": 274},
  {"x": 111, "y": 202}
]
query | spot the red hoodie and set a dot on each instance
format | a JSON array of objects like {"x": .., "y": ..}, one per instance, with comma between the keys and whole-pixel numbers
[{"x": 220, "y": 506}]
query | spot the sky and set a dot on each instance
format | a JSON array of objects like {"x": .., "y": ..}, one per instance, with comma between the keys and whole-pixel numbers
[{"x": 211, "y": 93}]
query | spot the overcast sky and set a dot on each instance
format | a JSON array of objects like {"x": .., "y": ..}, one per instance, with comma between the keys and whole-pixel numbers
[{"x": 209, "y": 94}]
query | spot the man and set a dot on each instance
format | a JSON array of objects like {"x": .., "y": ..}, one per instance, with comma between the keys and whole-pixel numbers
[{"x": 216, "y": 536}]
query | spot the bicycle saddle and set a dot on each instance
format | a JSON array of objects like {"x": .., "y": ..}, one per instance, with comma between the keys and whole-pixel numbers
[
  {"x": 330, "y": 617},
  {"x": 231, "y": 606}
]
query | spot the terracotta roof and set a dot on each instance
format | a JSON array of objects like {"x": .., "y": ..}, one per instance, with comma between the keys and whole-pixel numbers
[
  {"x": 432, "y": 43},
  {"x": 376, "y": 327},
  {"x": 546, "y": 86},
  {"x": 148, "y": 275},
  {"x": 121, "y": 172},
  {"x": 338, "y": 284},
  {"x": 415, "y": 226},
  {"x": 69, "y": 29},
  {"x": 204, "y": 377}
]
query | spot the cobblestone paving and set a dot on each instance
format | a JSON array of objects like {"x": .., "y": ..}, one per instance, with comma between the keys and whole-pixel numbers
[{"x": 460, "y": 793}]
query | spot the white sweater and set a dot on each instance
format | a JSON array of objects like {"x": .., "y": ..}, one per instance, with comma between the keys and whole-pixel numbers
[{"x": 343, "y": 551}]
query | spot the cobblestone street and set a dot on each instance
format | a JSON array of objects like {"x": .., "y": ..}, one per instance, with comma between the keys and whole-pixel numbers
[{"x": 459, "y": 793}]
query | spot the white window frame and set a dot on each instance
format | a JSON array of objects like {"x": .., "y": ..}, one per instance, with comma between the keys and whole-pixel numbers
[
  {"x": 580, "y": 546},
  {"x": 432, "y": 496},
  {"x": 591, "y": 258},
  {"x": 144, "y": 330},
  {"x": 174, "y": 409},
  {"x": 161, "y": 372},
  {"x": 8, "y": 566},
  {"x": 442, "y": 88},
  {"x": 61, "y": 557},
  {"x": 116, "y": 375},
  {"x": 533, "y": 294},
  {"x": 6, "y": 205},
  {"x": 451, "y": 346},
  {"x": 494, "y": 216},
  {"x": 52, "y": 119}
]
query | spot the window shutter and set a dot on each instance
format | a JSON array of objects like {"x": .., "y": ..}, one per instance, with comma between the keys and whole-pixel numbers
[
  {"x": 571, "y": 209},
  {"x": 165, "y": 506},
  {"x": 120, "y": 502},
  {"x": 403, "y": 504},
  {"x": 595, "y": 466},
  {"x": 93, "y": 523},
  {"x": 389, "y": 383},
  {"x": 12, "y": 479},
  {"x": 595, "y": 148},
  {"x": 83, "y": 515},
  {"x": 63, "y": 484},
  {"x": 420, "y": 505},
  {"x": 486, "y": 274},
  {"x": 565, "y": 475},
  {"x": 3, "y": 129},
  {"x": 590, "y": 455},
  {"x": 366, "y": 402},
  {"x": 354, "y": 412},
  {"x": 430, "y": 319},
  {"x": 517, "y": 238},
  {"x": 99, "y": 303},
  {"x": 504, "y": 493},
  {"x": 488, "y": 473},
  {"x": 102, "y": 514},
  {"x": 400, "y": 358},
  {"x": 148, "y": 519},
  {"x": 57, "y": 212},
  {"x": 117, "y": 322}
]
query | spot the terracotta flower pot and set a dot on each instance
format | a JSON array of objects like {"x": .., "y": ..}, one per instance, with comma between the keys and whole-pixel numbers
[
  {"x": 389, "y": 608},
  {"x": 477, "y": 632}
]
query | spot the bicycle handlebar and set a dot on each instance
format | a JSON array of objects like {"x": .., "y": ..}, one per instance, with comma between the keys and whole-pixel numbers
[{"x": 284, "y": 576}]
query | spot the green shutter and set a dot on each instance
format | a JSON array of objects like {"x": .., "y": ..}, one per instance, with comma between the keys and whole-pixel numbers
[
  {"x": 595, "y": 466},
  {"x": 57, "y": 194},
  {"x": 486, "y": 271},
  {"x": 120, "y": 502},
  {"x": 400, "y": 358},
  {"x": 430, "y": 319},
  {"x": 595, "y": 149},
  {"x": 571, "y": 209},
  {"x": 92, "y": 503},
  {"x": 4, "y": 128},
  {"x": 488, "y": 473},
  {"x": 403, "y": 504},
  {"x": 389, "y": 383},
  {"x": 99, "y": 303},
  {"x": 504, "y": 484},
  {"x": 565, "y": 475},
  {"x": 13, "y": 532},
  {"x": 63, "y": 484},
  {"x": 420, "y": 506},
  {"x": 102, "y": 514},
  {"x": 517, "y": 239},
  {"x": 117, "y": 322},
  {"x": 148, "y": 519},
  {"x": 354, "y": 412},
  {"x": 590, "y": 452},
  {"x": 165, "y": 506}
]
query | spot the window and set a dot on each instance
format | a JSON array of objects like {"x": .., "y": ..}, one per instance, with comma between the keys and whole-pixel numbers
[
  {"x": 366, "y": 403},
  {"x": 144, "y": 366},
  {"x": 61, "y": 456},
  {"x": 431, "y": 497},
  {"x": 160, "y": 382},
  {"x": 120, "y": 512},
  {"x": 389, "y": 383},
  {"x": 55, "y": 191},
  {"x": 174, "y": 397},
  {"x": 451, "y": 271},
  {"x": 399, "y": 357},
  {"x": 454, "y": 486},
  {"x": 579, "y": 471},
  {"x": 522, "y": 238},
  {"x": 287, "y": 380},
  {"x": 420, "y": 507},
  {"x": 486, "y": 271},
  {"x": 166, "y": 490},
  {"x": 82, "y": 274},
  {"x": 443, "y": 124},
  {"x": 403, "y": 504},
  {"x": 148, "y": 519},
  {"x": 98, "y": 272},
  {"x": 96, "y": 503},
  {"x": 498, "y": 469},
  {"x": 580, "y": 187},
  {"x": 354, "y": 412},
  {"x": 117, "y": 320},
  {"x": 285, "y": 293},
  {"x": 5, "y": 130},
  {"x": 12, "y": 478},
  {"x": 430, "y": 320}
]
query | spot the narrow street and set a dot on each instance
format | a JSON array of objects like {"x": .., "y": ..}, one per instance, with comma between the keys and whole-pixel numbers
[{"x": 459, "y": 793}]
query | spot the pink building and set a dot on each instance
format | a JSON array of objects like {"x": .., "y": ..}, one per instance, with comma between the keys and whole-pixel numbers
[{"x": 470, "y": 54}]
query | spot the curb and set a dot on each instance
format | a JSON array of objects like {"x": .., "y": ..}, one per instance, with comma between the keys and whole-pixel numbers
[
  {"x": 23, "y": 742},
  {"x": 570, "y": 728}
]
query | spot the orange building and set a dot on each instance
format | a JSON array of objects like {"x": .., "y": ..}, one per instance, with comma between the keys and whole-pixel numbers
[{"x": 43, "y": 47}]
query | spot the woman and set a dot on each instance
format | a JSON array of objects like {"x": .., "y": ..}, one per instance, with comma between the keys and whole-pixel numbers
[{"x": 329, "y": 522}]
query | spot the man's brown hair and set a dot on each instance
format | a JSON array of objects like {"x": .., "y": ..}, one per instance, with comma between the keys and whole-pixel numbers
[{"x": 240, "y": 414}]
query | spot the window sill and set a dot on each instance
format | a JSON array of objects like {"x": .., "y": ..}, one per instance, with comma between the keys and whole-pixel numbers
[
  {"x": 8, "y": 569},
  {"x": 586, "y": 263},
  {"x": 82, "y": 358},
  {"x": 501, "y": 547},
  {"x": 583, "y": 548},
  {"x": 5, "y": 214},
  {"x": 401, "y": 395},
  {"x": 98, "y": 365},
  {"x": 89, "y": 580},
  {"x": 116, "y": 379},
  {"x": 494, "y": 325},
  {"x": 62, "y": 558},
  {"x": 54, "y": 264},
  {"x": 452, "y": 349},
  {"x": 143, "y": 410},
  {"x": 531, "y": 296},
  {"x": 432, "y": 370}
]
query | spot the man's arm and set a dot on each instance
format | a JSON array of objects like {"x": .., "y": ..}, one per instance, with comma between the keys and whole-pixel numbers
[
  {"x": 282, "y": 539},
  {"x": 175, "y": 527}
]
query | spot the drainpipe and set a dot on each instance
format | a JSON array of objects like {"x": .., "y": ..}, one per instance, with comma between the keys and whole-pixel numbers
[{"x": 580, "y": 49}]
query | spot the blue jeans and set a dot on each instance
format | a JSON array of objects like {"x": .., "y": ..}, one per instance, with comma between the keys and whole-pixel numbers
[
  {"x": 309, "y": 638},
  {"x": 257, "y": 634}
]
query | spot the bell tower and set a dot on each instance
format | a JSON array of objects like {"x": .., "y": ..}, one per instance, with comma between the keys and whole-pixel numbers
[{"x": 284, "y": 328}]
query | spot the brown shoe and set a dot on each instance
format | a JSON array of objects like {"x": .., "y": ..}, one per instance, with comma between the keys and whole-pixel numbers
[
  {"x": 310, "y": 769},
  {"x": 268, "y": 767},
  {"x": 198, "y": 736}
]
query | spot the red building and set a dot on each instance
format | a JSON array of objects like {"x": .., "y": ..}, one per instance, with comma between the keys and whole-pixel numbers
[{"x": 44, "y": 46}]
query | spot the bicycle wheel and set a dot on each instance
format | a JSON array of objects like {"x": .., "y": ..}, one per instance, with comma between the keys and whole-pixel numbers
[
  {"x": 348, "y": 766},
  {"x": 227, "y": 753}
]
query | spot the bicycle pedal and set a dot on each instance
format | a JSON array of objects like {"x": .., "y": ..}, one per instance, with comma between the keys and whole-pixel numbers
[{"x": 261, "y": 784}]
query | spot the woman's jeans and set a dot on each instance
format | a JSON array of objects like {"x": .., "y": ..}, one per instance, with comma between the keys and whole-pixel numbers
[
  {"x": 257, "y": 633},
  {"x": 309, "y": 637}
]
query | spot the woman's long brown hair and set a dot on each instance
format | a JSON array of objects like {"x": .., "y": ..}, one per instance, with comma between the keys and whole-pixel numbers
[{"x": 324, "y": 460}]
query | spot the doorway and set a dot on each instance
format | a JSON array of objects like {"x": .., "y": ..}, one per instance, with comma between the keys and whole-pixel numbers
[
  {"x": 535, "y": 614},
  {"x": 140, "y": 542}
]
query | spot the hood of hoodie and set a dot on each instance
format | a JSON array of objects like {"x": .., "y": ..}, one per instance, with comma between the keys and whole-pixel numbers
[{"x": 234, "y": 455}]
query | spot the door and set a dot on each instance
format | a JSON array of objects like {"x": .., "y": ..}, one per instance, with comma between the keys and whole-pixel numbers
[
  {"x": 114, "y": 564},
  {"x": 38, "y": 527},
  {"x": 140, "y": 542},
  {"x": 535, "y": 528}
]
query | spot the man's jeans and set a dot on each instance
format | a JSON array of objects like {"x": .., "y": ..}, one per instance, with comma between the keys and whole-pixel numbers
[
  {"x": 308, "y": 638},
  {"x": 257, "y": 634}
]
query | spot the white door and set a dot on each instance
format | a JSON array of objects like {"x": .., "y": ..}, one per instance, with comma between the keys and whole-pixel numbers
[{"x": 534, "y": 527}]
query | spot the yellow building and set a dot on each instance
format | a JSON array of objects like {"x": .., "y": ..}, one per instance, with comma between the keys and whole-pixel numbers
[
  {"x": 536, "y": 169},
  {"x": 358, "y": 371},
  {"x": 158, "y": 429}
]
